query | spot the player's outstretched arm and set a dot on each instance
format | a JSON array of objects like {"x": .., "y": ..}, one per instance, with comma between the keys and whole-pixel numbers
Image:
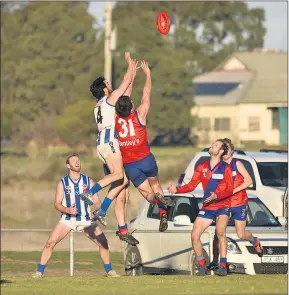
[
  {"x": 129, "y": 89},
  {"x": 117, "y": 93},
  {"x": 146, "y": 94},
  {"x": 59, "y": 198},
  {"x": 196, "y": 179}
]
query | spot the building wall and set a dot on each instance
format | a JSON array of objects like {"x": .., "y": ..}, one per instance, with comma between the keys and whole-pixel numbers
[
  {"x": 283, "y": 123},
  {"x": 240, "y": 117},
  {"x": 265, "y": 133},
  {"x": 212, "y": 112}
]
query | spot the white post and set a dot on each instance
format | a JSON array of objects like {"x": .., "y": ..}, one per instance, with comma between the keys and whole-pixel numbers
[
  {"x": 107, "y": 42},
  {"x": 71, "y": 252},
  {"x": 211, "y": 240}
]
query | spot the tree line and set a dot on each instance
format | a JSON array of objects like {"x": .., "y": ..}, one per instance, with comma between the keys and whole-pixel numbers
[{"x": 51, "y": 52}]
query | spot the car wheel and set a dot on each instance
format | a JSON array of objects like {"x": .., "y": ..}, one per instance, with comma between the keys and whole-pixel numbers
[
  {"x": 133, "y": 263},
  {"x": 194, "y": 266}
]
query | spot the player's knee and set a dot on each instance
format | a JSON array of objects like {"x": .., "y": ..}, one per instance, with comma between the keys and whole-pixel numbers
[
  {"x": 241, "y": 235},
  {"x": 195, "y": 236},
  {"x": 50, "y": 244},
  {"x": 221, "y": 234},
  {"x": 120, "y": 200},
  {"x": 102, "y": 241}
]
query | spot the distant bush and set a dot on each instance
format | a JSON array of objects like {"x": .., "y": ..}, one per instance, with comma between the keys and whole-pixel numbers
[
  {"x": 77, "y": 123},
  {"x": 55, "y": 171}
]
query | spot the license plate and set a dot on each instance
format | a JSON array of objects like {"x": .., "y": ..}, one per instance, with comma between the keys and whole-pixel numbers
[{"x": 272, "y": 259}]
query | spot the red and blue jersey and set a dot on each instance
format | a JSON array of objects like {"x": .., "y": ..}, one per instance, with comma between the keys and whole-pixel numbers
[
  {"x": 241, "y": 197},
  {"x": 218, "y": 180},
  {"x": 132, "y": 138}
]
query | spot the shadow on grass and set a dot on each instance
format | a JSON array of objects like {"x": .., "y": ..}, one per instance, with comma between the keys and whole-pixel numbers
[{"x": 2, "y": 282}]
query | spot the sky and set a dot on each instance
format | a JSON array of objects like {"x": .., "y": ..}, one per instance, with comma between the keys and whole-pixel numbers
[{"x": 275, "y": 23}]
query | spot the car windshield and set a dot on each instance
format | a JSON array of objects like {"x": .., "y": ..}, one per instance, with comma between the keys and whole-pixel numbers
[
  {"x": 258, "y": 214},
  {"x": 273, "y": 173}
]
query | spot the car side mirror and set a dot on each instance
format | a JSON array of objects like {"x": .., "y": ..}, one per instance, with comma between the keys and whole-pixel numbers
[
  {"x": 182, "y": 220},
  {"x": 282, "y": 220}
]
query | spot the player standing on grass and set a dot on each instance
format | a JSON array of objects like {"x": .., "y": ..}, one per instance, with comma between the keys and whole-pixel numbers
[
  {"x": 216, "y": 178},
  {"x": 75, "y": 215},
  {"x": 239, "y": 204},
  {"x": 139, "y": 163}
]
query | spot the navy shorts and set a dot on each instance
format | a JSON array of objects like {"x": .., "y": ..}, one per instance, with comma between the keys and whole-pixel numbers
[
  {"x": 239, "y": 213},
  {"x": 139, "y": 171},
  {"x": 213, "y": 214}
]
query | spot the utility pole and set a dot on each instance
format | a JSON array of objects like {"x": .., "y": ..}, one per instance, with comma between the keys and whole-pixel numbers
[{"x": 107, "y": 41}]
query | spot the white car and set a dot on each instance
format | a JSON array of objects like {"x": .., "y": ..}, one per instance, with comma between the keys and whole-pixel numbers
[
  {"x": 269, "y": 172},
  {"x": 171, "y": 251}
]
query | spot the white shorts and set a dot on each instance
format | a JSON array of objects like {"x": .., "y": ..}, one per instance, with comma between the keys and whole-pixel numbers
[
  {"x": 75, "y": 225},
  {"x": 106, "y": 149}
]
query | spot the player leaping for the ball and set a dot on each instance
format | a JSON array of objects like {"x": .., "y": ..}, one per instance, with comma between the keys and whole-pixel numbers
[
  {"x": 108, "y": 150},
  {"x": 139, "y": 163}
]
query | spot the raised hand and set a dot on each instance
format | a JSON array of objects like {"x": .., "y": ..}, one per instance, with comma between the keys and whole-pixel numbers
[
  {"x": 172, "y": 189},
  {"x": 135, "y": 67},
  {"x": 127, "y": 57},
  {"x": 145, "y": 67}
]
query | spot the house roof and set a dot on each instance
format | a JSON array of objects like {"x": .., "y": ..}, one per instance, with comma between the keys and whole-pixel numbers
[{"x": 262, "y": 78}]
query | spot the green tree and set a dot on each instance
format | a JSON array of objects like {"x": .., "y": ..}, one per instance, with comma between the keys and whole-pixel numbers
[
  {"x": 51, "y": 54},
  {"x": 7, "y": 120},
  {"x": 77, "y": 123}
]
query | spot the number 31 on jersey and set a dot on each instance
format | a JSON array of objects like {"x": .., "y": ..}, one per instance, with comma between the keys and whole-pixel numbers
[{"x": 126, "y": 128}]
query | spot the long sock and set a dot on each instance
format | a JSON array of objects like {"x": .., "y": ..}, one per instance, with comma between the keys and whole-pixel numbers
[
  {"x": 105, "y": 205},
  {"x": 123, "y": 229},
  {"x": 96, "y": 188},
  {"x": 107, "y": 267},
  {"x": 254, "y": 242},
  {"x": 223, "y": 262},
  {"x": 201, "y": 261},
  {"x": 41, "y": 268},
  {"x": 215, "y": 249},
  {"x": 162, "y": 209}
]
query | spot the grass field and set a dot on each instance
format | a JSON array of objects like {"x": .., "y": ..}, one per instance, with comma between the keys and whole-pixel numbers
[{"x": 17, "y": 268}]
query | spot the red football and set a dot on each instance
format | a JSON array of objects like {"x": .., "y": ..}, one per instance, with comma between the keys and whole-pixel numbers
[{"x": 163, "y": 23}]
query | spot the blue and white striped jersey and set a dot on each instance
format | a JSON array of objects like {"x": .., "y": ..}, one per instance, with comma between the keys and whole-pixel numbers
[
  {"x": 72, "y": 190},
  {"x": 104, "y": 114}
]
